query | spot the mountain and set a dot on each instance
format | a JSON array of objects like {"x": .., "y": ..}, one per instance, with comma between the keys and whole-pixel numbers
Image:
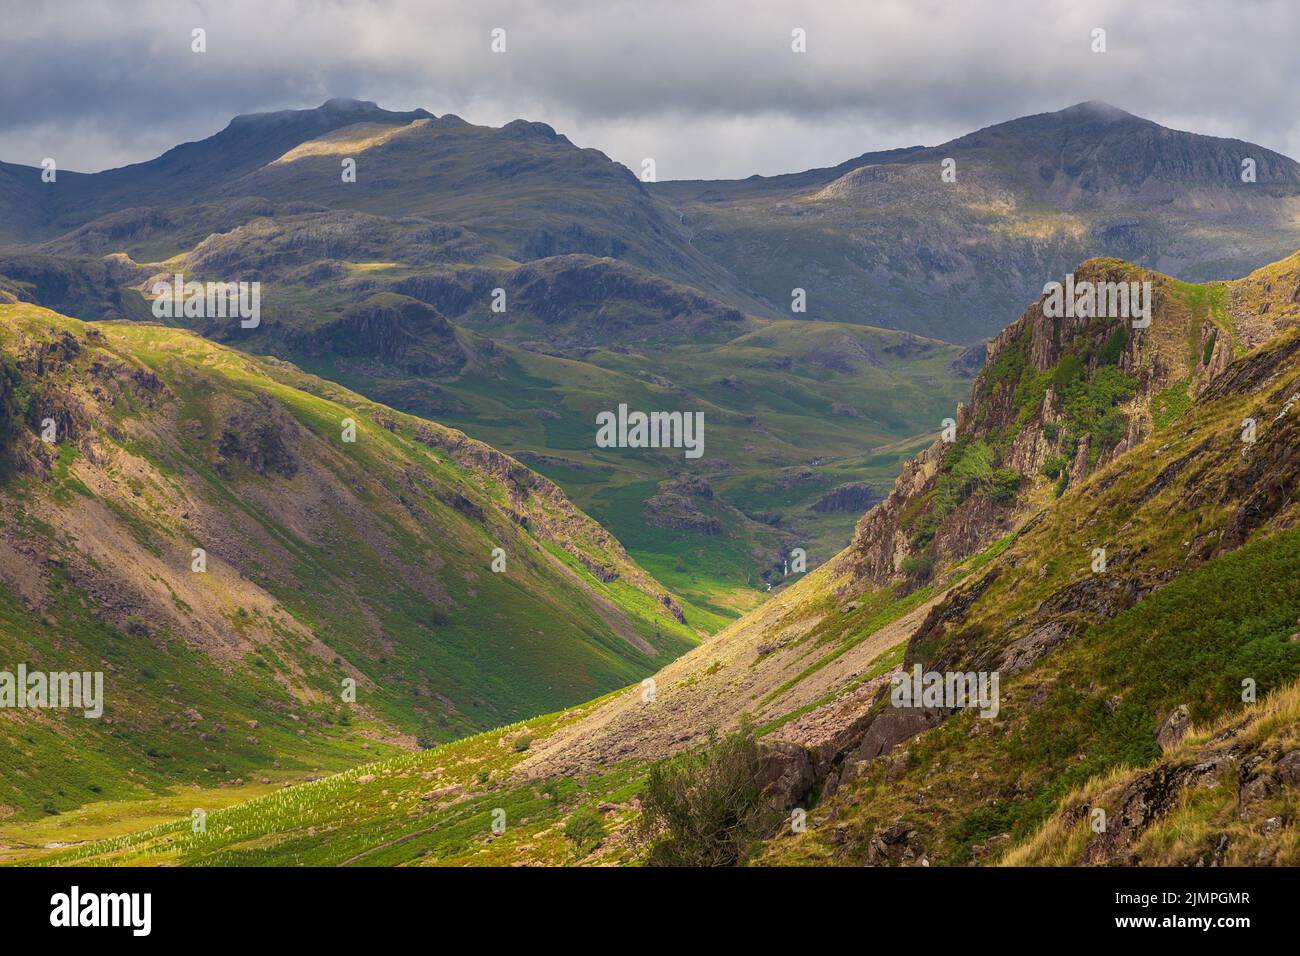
[
  {"x": 180, "y": 175},
  {"x": 884, "y": 240},
  {"x": 615, "y": 291},
  {"x": 523, "y": 187},
  {"x": 880, "y": 239},
  {"x": 1059, "y": 399},
  {"x": 337, "y": 540},
  {"x": 388, "y": 286}
]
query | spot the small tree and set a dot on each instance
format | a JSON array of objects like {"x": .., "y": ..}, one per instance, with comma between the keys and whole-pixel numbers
[
  {"x": 585, "y": 830},
  {"x": 704, "y": 807}
]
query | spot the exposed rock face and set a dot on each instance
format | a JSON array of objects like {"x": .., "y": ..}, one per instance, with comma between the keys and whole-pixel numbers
[
  {"x": 555, "y": 289},
  {"x": 82, "y": 287},
  {"x": 1142, "y": 803},
  {"x": 895, "y": 846},
  {"x": 1021, "y": 654},
  {"x": 970, "y": 361},
  {"x": 1262, "y": 774},
  {"x": 853, "y": 496},
  {"x": 891, "y": 727},
  {"x": 785, "y": 773},
  {"x": 261, "y": 438},
  {"x": 879, "y": 544},
  {"x": 678, "y": 505},
  {"x": 1058, "y": 399},
  {"x": 1173, "y": 728},
  {"x": 394, "y": 329}
]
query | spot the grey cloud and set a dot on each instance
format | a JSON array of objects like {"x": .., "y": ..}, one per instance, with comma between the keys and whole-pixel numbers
[{"x": 708, "y": 88}]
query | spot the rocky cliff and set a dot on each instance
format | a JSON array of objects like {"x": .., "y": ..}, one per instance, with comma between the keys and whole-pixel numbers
[{"x": 1057, "y": 399}]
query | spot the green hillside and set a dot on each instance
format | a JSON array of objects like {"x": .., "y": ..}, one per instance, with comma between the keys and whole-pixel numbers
[{"x": 326, "y": 560}]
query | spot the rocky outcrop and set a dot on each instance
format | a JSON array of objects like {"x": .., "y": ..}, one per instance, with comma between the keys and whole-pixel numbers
[
  {"x": 1173, "y": 728},
  {"x": 261, "y": 437},
  {"x": 393, "y": 329},
  {"x": 1056, "y": 400},
  {"x": 854, "y": 497},
  {"x": 598, "y": 300},
  {"x": 785, "y": 773},
  {"x": 679, "y": 505}
]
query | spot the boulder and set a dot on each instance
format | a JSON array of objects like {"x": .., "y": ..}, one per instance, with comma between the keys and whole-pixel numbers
[
  {"x": 785, "y": 773},
  {"x": 1174, "y": 728}
]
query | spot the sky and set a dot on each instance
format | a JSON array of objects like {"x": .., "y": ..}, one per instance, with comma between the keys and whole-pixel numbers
[{"x": 709, "y": 89}]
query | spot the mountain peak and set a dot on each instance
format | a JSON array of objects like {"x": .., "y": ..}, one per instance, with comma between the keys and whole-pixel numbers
[
  {"x": 1082, "y": 119},
  {"x": 1095, "y": 109}
]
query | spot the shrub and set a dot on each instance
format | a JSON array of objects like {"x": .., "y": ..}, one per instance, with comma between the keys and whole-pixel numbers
[
  {"x": 1068, "y": 371},
  {"x": 704, "y": 807},
  {"x": 585, "y": 830},
  {"x": 15, "y": 398},
  {"x": 1006, "y": 483},
  {"x": 1114, "y": 347},
  {"x": 1092, "y": 407},
  {"x": 522, "y": 743},
  {"x": 918, "y": 567},
  {"x": 1054, "y": 465}
]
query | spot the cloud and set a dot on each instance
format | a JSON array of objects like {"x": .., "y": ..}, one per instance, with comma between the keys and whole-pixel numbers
[{"x": 708, "y": 88}]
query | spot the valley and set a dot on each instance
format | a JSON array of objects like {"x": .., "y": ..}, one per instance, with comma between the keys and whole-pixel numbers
[
  {"x": 368, "y": 584},
  {"x": 1190, "y": 604}
]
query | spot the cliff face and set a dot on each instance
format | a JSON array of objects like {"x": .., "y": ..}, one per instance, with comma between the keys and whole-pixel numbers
[{"x": 1058, "y": 398}]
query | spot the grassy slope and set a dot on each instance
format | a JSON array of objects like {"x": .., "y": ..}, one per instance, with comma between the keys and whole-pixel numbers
[
  {"x": 1094, "y": 704},
  {"x": 370, "y": 562},
  {"x": 1233, "y": 803},
  {"x": 434, "y": 807}
]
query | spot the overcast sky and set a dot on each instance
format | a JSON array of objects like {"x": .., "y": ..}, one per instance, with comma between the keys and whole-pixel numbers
[{"x": 708, "y": 88}]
